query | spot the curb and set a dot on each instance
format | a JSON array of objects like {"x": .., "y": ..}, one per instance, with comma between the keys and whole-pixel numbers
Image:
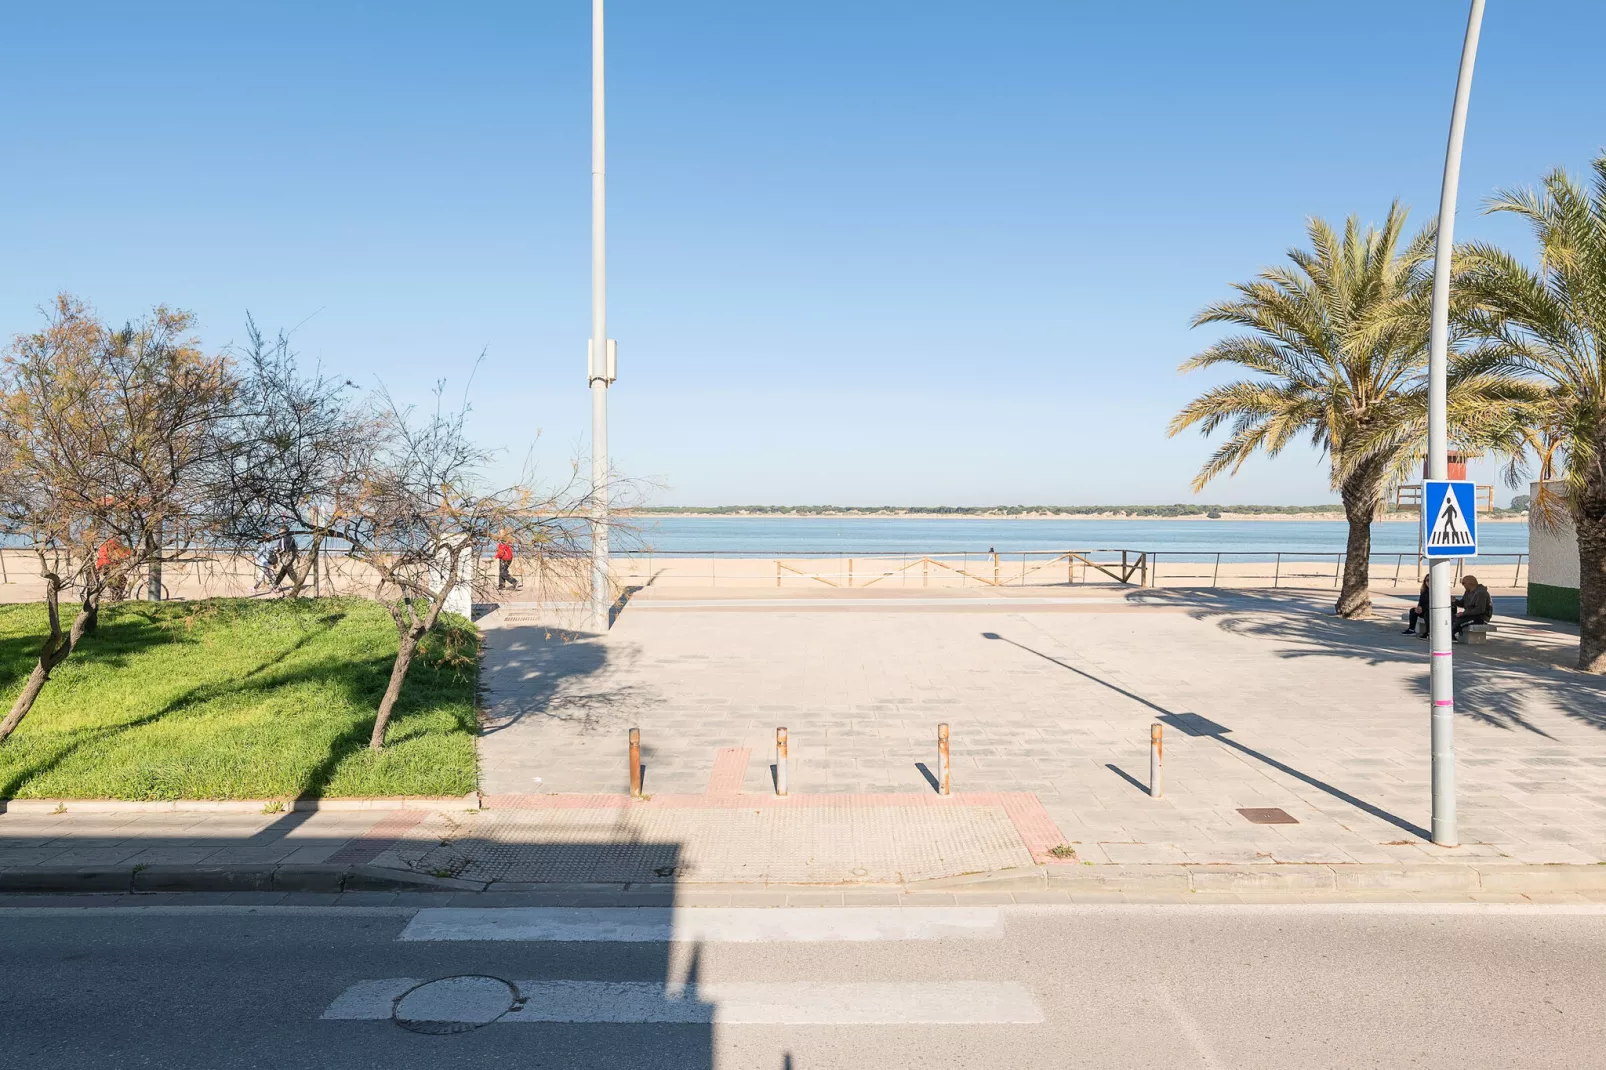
[
  {"x": 471, "y": 801},
  {"x": 1514, "y": 878},
  {"x": 1293, "y": 878},
  {"x": 242, "y": 878}
]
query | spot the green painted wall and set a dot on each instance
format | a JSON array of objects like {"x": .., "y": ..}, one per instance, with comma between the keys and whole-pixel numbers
[{"x": 1556, "y": 603}]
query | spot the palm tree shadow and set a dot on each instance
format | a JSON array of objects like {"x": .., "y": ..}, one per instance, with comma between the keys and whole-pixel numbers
[{"x": 1497, "y": 684}]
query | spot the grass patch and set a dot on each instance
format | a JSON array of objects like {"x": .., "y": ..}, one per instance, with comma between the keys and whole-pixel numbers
[{"x": 237, "y": 699}]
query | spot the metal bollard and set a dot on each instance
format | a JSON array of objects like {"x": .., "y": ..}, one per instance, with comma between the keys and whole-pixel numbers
[
  {"x": 780, "y": 761},
  {"x": 942, "y": 759},
  {"x": 1156, "y": 776},
  {"x": 635, "y": 763}
]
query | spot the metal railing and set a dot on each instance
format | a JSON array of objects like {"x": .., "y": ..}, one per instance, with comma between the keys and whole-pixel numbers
[
  {"x": 1037, "y": 568},
  {"x": 1303, "y": 568}
]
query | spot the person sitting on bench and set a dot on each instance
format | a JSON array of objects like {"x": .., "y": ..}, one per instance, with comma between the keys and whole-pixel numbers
[
  {"x": 1475, "y": 607},
  {"x": 1420, "y": 609}
]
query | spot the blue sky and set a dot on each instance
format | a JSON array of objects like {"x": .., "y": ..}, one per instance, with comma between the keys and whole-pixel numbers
[{"x": 860, "y": 252}]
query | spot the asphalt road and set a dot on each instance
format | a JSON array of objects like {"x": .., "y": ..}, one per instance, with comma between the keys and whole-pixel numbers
[{"x": 1107, "y": 986}]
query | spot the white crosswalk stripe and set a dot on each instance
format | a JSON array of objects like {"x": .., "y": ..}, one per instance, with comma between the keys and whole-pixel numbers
[
  {"x": 474, "y": 1001},
  {"x": 729, "y": 1003},
  {"x": 733, "y": 925}
]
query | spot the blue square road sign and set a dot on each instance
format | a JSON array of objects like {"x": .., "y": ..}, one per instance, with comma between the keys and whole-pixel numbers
[{"x": 1449, "y": 518}]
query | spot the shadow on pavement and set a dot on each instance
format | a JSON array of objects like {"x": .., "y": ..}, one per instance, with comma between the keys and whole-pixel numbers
[
  {"x": 1499, "y": 683},
  {"x": 529, "y": 673},
  {"x": 1195, "y": 725}
]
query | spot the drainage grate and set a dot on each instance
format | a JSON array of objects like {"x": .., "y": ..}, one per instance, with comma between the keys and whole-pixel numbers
[{"x": 1267, "y": 815}]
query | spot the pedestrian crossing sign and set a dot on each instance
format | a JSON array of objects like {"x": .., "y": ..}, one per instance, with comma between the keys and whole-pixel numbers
[{"x": 1449, "y": 518}]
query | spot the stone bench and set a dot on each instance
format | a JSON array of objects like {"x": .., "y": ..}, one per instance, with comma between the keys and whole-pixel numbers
[{"x": 1472, "y": 633}]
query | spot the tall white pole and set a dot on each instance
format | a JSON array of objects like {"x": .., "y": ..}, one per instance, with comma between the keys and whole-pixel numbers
[
  {"x": 1442, "y": 679},
  {"x": 598, "y": 369}
]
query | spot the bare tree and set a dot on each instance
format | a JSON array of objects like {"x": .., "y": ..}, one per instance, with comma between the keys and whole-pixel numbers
[
  {"x": 104, "y": 436},
  {"x": 299, "y": 451},
  {"x": 424, "y": 514}
]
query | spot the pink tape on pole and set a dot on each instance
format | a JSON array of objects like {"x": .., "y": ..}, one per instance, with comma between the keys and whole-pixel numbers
[
  {"x": 1444, "y": 702},
  {"x": 1441, "y": 653}
]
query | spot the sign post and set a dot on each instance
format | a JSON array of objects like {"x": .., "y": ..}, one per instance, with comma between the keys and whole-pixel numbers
[
  {"x": 1441, "y": 678},
  {"x": 1449, "y": 518}
]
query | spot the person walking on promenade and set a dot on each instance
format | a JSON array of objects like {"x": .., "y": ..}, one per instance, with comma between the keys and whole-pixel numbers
[
  {"x": 1476, "y": 606},
  {"x": 288, "y": 551},
  {"x": 108, "y": 562},
  {"x": 267, "y": 562},
  {"x": 504, "y": 564},
  {"x": 1420, "y": 609}
]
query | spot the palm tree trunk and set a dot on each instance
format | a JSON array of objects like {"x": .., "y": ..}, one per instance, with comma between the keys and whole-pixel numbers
[
  {"x": 1361, "y": 494},
  {"x": 1591, "y": 593}
]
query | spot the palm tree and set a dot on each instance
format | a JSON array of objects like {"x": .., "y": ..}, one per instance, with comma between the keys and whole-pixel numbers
[
  {"x": 1338, "y": 347},
  {"x": 1545, "y": 329}
]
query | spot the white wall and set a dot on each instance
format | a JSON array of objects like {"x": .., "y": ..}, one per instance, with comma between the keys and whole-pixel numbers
[{"x": 1553, "y": 558}]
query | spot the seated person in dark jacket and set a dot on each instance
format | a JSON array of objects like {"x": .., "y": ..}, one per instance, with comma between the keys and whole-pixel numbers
[
  {"x": 1474, "y": 607},
  {"x": 1420, "y": 609}
]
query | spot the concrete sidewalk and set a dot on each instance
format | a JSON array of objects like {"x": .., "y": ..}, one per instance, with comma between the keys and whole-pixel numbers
[
  {"x": 583, "y": 850},
  {"x": 1267, "y": 701}
]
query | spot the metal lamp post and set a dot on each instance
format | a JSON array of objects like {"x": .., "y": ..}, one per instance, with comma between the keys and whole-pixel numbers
[
  {"x": 600, "y": 360},
  {"x": 1442, "y": 682}
]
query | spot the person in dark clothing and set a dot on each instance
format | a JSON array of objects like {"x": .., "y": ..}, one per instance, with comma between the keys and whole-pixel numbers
[
  {"x": 285, "y": 547},
  {"x": 1420, "y": 609},
  {"x": 1476, "y": 606}
]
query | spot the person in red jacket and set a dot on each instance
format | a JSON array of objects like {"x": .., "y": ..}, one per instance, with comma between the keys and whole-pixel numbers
[
  {"x": 504, "y": 565},
  {"x": 108, "y": 562}
]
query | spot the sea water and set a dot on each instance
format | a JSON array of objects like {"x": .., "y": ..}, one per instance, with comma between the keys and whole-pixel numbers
[{"x": 799, "y": 536}]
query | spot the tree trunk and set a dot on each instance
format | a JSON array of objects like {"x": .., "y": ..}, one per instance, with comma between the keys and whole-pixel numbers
[
  {"x": 308, "y": 566},
  {"x": 1591, "y": 593},
  {"x": 52, "y": 652},
  {"x": 24, "y": 703},
  {"x": 1361, "y": 495},
  {"x": 398, "y": 673}
]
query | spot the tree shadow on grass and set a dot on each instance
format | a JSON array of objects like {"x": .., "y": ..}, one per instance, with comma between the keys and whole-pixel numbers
[
  {"x": 1498, "y": 684},
  {"x": 361, "y": 680}
]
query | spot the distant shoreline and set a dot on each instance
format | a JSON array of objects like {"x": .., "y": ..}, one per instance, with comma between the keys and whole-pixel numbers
[{"x": 1512, "y": 518}]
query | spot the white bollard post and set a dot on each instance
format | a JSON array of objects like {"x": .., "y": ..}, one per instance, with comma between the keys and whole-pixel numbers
[{"x": 780, "y": 761}]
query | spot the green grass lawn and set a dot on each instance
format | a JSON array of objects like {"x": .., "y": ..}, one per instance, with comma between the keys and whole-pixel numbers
[{"x": 237, "y": 699}]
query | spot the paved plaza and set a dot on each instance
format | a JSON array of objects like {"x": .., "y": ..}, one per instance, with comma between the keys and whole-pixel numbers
[{"x": 1268, "y": 701}]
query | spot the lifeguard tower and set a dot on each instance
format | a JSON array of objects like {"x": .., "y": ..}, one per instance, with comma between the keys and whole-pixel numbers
[{"x": 1409, "y": 496}]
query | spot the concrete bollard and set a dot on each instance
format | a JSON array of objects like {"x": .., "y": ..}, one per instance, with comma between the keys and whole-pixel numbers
[
  {"x": 1156, "y": 774},
  {"x": 635, "y": 763},
  {"x": 780, "y": 761},
  {"x": 942, "y": 759}
]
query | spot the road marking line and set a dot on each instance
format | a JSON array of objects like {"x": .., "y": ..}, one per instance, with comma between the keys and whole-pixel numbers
[
  {"x": 1317, "y": 907},
  {"x": 720, "y": 925},
  {"x": 366, "y": 1000},
  {"x": 1188, "y": 1026},
  {"x": 734, "y": 1003}
]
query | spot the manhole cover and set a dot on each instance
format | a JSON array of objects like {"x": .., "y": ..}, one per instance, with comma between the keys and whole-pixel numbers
[
  {"x": 454, "y": 1004},
  {"x": 1267, "y": 815}
]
